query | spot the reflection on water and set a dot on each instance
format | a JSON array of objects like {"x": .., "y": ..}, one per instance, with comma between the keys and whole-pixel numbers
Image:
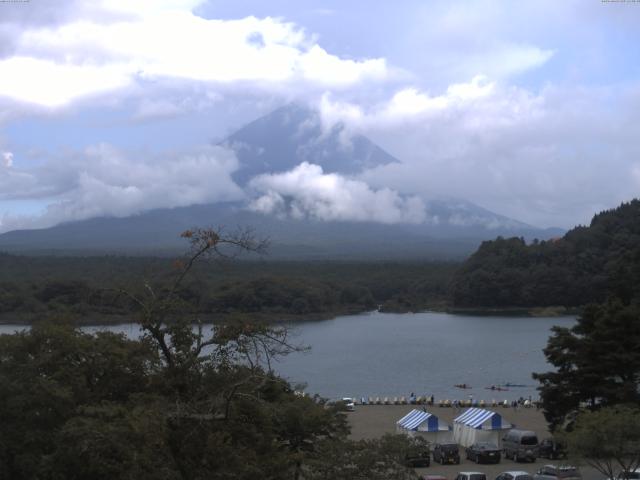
[{"x": 385, "y": 354}]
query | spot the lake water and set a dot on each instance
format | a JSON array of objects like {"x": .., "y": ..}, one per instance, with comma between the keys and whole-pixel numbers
[{"x": 386, "y": 354}]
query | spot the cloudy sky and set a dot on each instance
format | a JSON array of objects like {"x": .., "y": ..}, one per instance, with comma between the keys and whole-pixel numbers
[{"x": 111, "y": 107}]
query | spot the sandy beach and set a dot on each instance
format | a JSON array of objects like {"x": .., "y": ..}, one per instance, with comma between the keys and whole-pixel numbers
[{"x": 372, "y": 421}]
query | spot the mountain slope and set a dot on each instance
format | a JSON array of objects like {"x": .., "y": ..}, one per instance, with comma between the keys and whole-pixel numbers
[
  {"x": 293, "y": 134},
  {"x": 158, "y": 232},
  {"x": 276, "y": 143}
]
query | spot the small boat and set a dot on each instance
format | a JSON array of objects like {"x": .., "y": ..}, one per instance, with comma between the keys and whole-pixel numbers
[
  {"x": 497, "y": 388},
  {"x": 462, "y": 385},
  {"x": 514, "y": 385}
]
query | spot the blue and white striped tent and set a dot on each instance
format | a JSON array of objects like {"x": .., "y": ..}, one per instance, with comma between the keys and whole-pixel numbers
[
  {"x": 424, "y": 424},
  {"x": 479, "y": 425}
]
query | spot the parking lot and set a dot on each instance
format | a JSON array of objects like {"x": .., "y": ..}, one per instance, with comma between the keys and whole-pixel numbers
[{"x": 373, "y": 421}]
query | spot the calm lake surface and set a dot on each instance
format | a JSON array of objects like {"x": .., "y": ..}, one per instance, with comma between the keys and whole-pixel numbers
[{"x": 386, "y": 354}]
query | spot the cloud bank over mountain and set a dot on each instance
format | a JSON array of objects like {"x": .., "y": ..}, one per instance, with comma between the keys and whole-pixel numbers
[
  {"x": 307, "y": 192},
  {"x": 529, "y": 109},
  {"x": 102, "y": 181},
  {"x": 532, "y": 156}
]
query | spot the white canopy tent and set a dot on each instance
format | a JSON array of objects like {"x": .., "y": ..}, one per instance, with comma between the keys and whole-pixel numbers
[
  {"x": 479, "y": 425},
  {"x": 425, "y": 425}
]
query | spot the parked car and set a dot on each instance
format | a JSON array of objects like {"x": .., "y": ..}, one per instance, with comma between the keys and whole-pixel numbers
[
  {"x": 484, "y": 452},
  {"x": 634, "y": 475},
  {"x": 552, "y": 449},
  {"x": 520, "y": 445},
  {"x": 554, "y": 472},
  {"x": 514, "y": 475},
  {"x": 446, "y": 453},
  {"x": 418, "y": 455},
  {"x": 349, "y": 403},
  {"x": 432, "y": 477},
  {"x": 471, "y": 476}
]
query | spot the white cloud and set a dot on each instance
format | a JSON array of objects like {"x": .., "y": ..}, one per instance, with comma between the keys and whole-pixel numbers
[
  {"x": 102, "y": 181},
  {"x": 55, "y": 65},
  {"x": 502, "y": 41},
  {"x": 548, "y": 158},
  {"x": 52, "y": 84},
  {"x": 308, "y": 192},
  {"x": 161, "y": 108},
  {"x": 513, "y": 59},
  {"x": 407, "y": 104},
  {"x": 7, "y": 159}
]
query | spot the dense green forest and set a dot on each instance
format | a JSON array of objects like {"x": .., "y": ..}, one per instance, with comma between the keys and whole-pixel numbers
[
  {"x": 85, "y": 288},
  {"x": 177, "y": 403},
  {"x": 587, "y": 265}
]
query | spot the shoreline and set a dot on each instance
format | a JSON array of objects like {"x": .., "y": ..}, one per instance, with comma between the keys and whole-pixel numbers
[{"x": 27, "y": 319}]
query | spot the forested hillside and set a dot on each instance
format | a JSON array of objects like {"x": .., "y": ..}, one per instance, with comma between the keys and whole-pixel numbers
[
  {"x": 587, "y": 265},
  {"x": 84, "y": 289}
]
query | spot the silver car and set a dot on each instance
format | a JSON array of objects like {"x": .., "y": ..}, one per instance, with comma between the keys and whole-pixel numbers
[
  {"x": 514, "y": 475},
  {"x": 555, "y": 472}
]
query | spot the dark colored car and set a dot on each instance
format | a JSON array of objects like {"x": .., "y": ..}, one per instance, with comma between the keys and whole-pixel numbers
[
  {"x": 419, "y": 455},
  {"x": 418, "y": 460},
  {"x": 551, "y": 449},
  {"x": 634, "y": 475},
  {"x": 553, "y": 472},
  {"x": 485, "y": 452},
  {"x": 446, "y": 453}
]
